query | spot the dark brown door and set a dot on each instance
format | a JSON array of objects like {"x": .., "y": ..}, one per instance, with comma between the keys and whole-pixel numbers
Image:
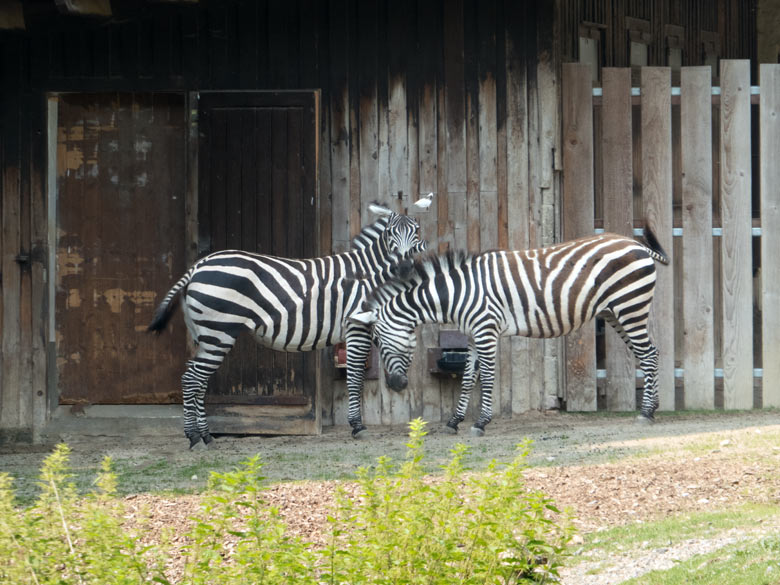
[
  {"x": 257, "y": 184},
  {"x": 120, "y": 241}
]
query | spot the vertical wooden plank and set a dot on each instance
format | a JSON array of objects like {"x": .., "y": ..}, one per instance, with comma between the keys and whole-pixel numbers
[
  {"x": 736, "y": 244},
  {"x": 339, "y": 128},
  {"x": 455, "y": 98},
  {"x": 339, "y": 187},
  {"x": 696, "y": 130},
  {"x": 264, "y": 219},
  {"x": 518, "y": 204},
  {"x": 487, "y": 128},
  {"x": 26, "y": 389},
  {"x": 617, "y": 169},
  {"x": 11, "y": 372},
  {"x": 657, "y": 197},
  {"x": 368, "y": 143},
  {"x": 544, "y": 188},
  {"x": 579, "y": 347},
  {"x": 505, "y": 344},
  {"x": 423, "y": 82},
  {"x": 489, "y": 227},
  {"x": 770, "y": 232},
  {"x": 471, "y": 78},
  {"x": 39, "y": 305},
  {"x": 301, "y": 378}
]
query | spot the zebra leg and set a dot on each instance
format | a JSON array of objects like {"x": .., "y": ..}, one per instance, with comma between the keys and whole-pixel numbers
[
  {"x": 210, "y": 355},
  {"x": 193, "y": 384},
  {"x": 487, "y": 350},
  {"x": 358, "y": 347},
  {"x": 648, "y": 361},
  {"x": 638, "y": 340},
  {"x": 469, "y": 380}
]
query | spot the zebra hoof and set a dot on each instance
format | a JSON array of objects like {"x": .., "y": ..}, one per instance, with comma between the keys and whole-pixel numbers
[
  {"x": 477, "y": 432},
  {"x": 360, "y": 433},
  {"x": 644, "y": 420},
  {"x": 451, "y": 430},
  {"x": 198, "y": 446},
  {"x": 194, "y": 441}
]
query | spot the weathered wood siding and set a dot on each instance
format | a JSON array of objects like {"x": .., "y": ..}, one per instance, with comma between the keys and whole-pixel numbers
[{"x": 459, "y": 98}]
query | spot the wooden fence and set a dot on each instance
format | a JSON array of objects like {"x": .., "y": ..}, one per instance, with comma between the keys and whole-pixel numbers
[{"x": 699, "y": 164}]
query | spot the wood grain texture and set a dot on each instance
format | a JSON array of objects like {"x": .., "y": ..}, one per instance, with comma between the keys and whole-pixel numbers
[
  {"x": 519, "y": 217},
  {"x": 617, "y": 172},
  {"x": 736, "y": 242},
  {"x": 577, "y": 206},
  {"x": 770, "y": 232},
  {"x": 698, "y": 313},
  {"x": 656, "y": 123},
  {"x": 110, "y": 268}
]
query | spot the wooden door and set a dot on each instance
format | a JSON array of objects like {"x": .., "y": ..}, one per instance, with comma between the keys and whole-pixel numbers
[
  {"x": 120, "y": 241},
  {"x": 257, "y": 185}
]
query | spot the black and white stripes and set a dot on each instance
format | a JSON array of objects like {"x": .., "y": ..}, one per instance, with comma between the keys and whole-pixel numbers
[
  {"x": 288, "y": 305},
  {"x": 546, "y": 292}
]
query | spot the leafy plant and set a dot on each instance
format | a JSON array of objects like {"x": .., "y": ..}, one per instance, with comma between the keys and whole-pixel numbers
[
  {"x": 66, "y": 539},
  {"x": 402, "y": 527},
  {"x": 464, "y": 528}
]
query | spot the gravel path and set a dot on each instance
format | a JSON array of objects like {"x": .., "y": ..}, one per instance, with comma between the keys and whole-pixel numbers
[{"x": 632, "y": 564}]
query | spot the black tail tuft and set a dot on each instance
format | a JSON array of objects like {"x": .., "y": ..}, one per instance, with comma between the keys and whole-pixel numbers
[
  {"x": 162, "y": 315},
  {"x": 655, "y": 246}
]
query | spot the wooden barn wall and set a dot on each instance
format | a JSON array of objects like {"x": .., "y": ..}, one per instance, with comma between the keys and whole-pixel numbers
[{"x": 455, "y": 97}]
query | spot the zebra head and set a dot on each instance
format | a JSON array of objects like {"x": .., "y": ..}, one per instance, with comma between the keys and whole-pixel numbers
[
  {"x": 395, "y": 339},
  {"x": 401, "y": 236}
]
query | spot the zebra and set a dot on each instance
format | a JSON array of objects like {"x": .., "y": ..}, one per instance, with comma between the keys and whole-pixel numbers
[
  {"x": 288, "y": 305},
  {"x": 541, "y": 293}
]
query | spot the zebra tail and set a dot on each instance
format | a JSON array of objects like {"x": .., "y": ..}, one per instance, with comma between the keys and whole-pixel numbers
[
  {"x": 165, "y": 309},
  {"x": 654, "y": 247}
]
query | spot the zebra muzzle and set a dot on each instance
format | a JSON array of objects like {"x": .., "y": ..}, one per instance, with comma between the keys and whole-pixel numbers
[
  {"x": 397, "y": 382},
  {"x": 404, "y": 269}
]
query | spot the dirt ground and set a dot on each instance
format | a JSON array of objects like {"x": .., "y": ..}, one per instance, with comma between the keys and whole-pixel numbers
[{"x": 608, "y": 469}]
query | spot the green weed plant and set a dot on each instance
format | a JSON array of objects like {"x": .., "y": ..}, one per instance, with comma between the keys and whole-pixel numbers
[{"x": 400, "y": 527}]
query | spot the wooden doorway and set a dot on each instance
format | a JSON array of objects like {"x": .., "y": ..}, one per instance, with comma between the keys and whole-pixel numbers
[
  {"x": 257, "y": 191},
  {"x": 120, "y": 226}
]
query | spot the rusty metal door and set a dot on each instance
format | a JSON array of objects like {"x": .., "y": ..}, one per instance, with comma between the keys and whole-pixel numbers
[
  {"x": 120, "y": 240},
  {"x": 257, "y": 185}
]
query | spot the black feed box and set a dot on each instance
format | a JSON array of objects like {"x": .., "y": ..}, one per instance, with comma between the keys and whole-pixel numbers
[
  {"x": 449, "y": 359},
  {"x": 452, "y": 361}
]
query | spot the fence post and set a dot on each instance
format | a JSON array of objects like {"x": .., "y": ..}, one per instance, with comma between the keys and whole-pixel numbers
[
  {"x": 657, "y": 197},
  {"x": 736, "y": 246},
  {"x": 618, "y": 199},
  {"x": 698, "y": 324},
  {"x": 577, "y": 209},
  {"x": 770, "y": 231}
]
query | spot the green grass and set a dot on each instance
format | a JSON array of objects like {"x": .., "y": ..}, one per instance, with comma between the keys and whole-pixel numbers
[
  {"x": 677, "y": 528},
  {"x": 755, "y": 563}
]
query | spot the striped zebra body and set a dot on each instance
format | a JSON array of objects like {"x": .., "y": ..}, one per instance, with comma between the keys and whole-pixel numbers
[
  {"x": 542, "y": 293},
  {"x": 287, "y": 304}
]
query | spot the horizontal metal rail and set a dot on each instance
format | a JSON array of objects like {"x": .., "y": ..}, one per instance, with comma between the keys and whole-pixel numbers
[
  {"x": 678, "y": 232},
  {"x": 680, "y": 373},
  {"x": 636, "y": 91}
]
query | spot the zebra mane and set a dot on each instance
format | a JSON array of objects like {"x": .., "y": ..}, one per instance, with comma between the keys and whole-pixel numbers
[
  {"x": 425, "y": 269},
  {"x": 372, "y": 232}
]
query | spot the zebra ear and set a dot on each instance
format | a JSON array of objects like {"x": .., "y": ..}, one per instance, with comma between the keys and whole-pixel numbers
[
  {"x": 425, "y": 202},
  {"x": 364, "y": 317},
  {"x": 379, "y": 209}
]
